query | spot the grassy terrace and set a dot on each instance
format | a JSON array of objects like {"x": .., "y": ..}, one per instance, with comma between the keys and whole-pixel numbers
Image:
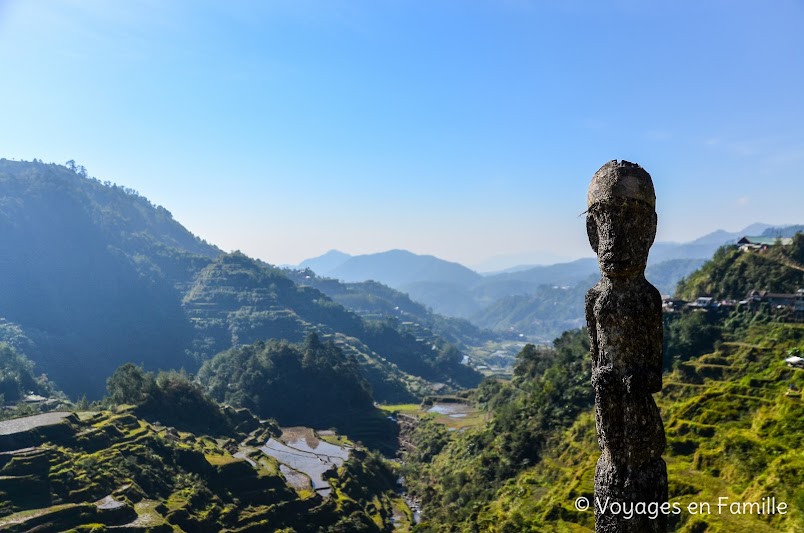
[
  {"x": 102, "y": 470},
  {"x": 735, "y": 429}
]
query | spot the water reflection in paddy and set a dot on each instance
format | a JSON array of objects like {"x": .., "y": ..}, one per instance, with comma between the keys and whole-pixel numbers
[{"x": 303, "y": 454}]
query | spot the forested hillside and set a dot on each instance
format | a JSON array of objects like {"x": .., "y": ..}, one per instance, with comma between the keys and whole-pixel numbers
[
  {"x": 17, "y": 378},
  {"x": 731, "y": 406},
  {"x": 733, "y": 419},
  {"x": 732, "y": 273},
  {"x": 90, "y": 274},
  {"x": 373, "y": 300},
  {"x": 99, "y": 277}
]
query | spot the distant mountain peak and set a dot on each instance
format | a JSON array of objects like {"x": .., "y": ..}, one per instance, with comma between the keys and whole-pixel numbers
[
  {"x": 399, "y": 268},
  {"x": 326, "y": 263}
]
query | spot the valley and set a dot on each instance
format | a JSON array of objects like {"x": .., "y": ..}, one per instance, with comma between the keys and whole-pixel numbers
[{"x": 152, "y": 382}]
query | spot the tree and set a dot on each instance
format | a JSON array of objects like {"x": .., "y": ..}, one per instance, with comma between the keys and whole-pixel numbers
[
  {"x": 797, "y": 248},
  {"x": 129, "y": 384}
]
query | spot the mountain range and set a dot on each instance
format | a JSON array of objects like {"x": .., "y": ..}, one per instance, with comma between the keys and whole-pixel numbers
[
  {"x": 530, "y": 300},
  {"x": 401, "y": 268},
  {"x": 93, "y": 276}
]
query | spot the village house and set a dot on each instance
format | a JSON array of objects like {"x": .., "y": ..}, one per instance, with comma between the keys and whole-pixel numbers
[
  {"x": 777, "y": 300},
  {"x": 703, "y": 302},
  {"x": 672, "y": 304},
  {"x": 759, "y": 243}
]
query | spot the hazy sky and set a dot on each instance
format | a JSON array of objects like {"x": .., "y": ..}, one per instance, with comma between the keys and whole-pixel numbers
[{"x": 464, "y": 129}]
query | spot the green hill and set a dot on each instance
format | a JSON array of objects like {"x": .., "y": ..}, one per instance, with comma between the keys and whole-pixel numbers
[
  {"x": 732, "y": 273},
  {"x": 374, "y": 301},
  {"x": 236, "y": 300},
  {"x": 91, "y": 280},
  {"x": 100, "y": 277},
  {"x": 312, "y": 384},
  {"x": 732, "y": 410},
  {"x": 734, "y": 420},
  {"x": 104, "y": 471}
]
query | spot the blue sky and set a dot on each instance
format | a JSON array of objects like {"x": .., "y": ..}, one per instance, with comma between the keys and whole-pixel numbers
[{"x": 465, "y": 129}]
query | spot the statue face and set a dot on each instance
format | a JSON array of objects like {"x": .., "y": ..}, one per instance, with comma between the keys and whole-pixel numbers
[{"x": 621, "y": 232}]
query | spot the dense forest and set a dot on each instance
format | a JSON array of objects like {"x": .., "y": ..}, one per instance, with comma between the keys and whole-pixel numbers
[{"x": 311, "y": 384}]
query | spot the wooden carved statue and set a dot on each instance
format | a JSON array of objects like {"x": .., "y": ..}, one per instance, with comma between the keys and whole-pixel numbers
[{"x": 624, "y": 317}]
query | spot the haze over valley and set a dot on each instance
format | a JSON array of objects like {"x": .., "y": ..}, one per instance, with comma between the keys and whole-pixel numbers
[{"x": 308, "y": 266}]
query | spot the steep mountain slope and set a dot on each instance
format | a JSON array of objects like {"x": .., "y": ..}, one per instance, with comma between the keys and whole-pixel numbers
[
  {"x": 733, "y": 420},
  {"x": 731, "y": 273},
  {"x": 732, "y": 411},
  {"x": 734, "y": 431},
  {"x": 373, "y": 300},
  {"x": 89, "y": 273},
  {"x": 99, "y": 277},
  {"x": 235, "y": 300}
]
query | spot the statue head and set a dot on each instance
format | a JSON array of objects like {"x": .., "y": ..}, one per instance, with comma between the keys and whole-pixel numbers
[{"x": 621, "y": 218}]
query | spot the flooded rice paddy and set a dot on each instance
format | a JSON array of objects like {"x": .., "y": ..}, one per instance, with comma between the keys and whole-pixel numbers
[{"x": 304, "y": 458}]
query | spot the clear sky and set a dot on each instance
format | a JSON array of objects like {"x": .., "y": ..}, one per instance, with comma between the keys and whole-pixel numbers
[{"x": 464, "y": 129}]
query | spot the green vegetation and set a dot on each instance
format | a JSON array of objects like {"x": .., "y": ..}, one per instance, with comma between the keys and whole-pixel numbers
[
  {"x": 17, "y": 377},
  {"x": 373, "y": 300},
  {"x": 100, "y": 280},
  {"x": 113, "y": 469},
  {"x": 732, "y": 409},
  {"x": 688, "y": 335},
  {"x": 313, "y": 384},
  {"x": 100, "y": 277},
  {"x": 172, "y": 399},
  {"x": 453, "y": 476},
  {"x": 732, "y": 274},
  {"x": 543, "y": 314},
  {"x": 91, "y": 278},
  {"x": 236, "y": 300},
  {"x": 733, "y": 419}
]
